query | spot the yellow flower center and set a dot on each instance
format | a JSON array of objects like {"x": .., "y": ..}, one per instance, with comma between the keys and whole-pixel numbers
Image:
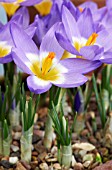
[
  {"x": 91, "y": 41},
  {"x": 4, "y": 51},
  {"x": 10, "y": 8},
  {"x": 46, "y": 71},
  {"x": 44, "y": 7},
  {"x": 78, "y": 45}
]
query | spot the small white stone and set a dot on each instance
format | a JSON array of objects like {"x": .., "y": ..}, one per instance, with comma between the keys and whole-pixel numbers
[
  {"x": 88, "y": 157},
  {"x": 44, "y": 166},
  {"x": 84, "y": 146},
  {"x": 17, "y": 135},
  {"x": 82, "y": 153},
  {"x": 13, "y": 160},
  {"x": 14, "y": 148},
  {"x": 54, "y": 149},
  {"x": 86, "y": 164},
  {"x": 73, "y": 161}
]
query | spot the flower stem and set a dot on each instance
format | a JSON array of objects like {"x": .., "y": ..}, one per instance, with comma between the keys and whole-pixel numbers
[
  {"x": 26, "y": 145},
  {"x": 66, "y": 155},
  {"x": 48, "y": 132}
]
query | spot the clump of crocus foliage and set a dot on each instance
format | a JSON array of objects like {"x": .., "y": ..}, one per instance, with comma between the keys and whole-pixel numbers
[{"x": 56, "y": 51}]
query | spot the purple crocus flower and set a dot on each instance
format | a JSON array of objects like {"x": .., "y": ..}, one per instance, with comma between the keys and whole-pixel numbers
[
  {"x": 44, "y": 65},
  {"x": 43, "y": 24},
  {"x": 82, "y": 39},
  {"x": 79, "y": 102},
  {"x": 6, "y": 43},
  {"x": 23, "y": 2}
]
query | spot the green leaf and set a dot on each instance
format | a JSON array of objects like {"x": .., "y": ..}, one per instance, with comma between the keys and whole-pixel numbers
[{"x": 5, "y": 129}]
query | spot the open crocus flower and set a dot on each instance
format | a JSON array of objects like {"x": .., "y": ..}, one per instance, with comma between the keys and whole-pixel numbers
[
  {"x": 6, "y": 43},
  {"x": 82, "y": 39},
  {"x": 44, "y": 65}
]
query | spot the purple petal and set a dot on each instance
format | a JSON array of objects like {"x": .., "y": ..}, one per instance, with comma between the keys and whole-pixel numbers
[
  {"x": 40, "y": 31},
  {"x": 21, "y": 60},
  {"x": 50, "y": 44},
  {"x": 85, "y": 23},
  {"x": 80, "y": 65},
  {"x": 71, "y": 80},
  {"x": 107, "y": 58},
  {"x": 37, "y": 85},
  {"x": 109, "y": 5},
  {"x": 66, "y": 44},
  {"x": 10, "y": 1},
  {"x": 6, "y": 59},
  {"x": 91, "y": 52},
  {"x": 70, "y": 24},
  {"x": 104, "y": 39},
  {"x": 23, "y": 11},
  {"x": 22, "y": 40},
  {"x": 91, "y": 5},
  {"x": 31, "y": 30},
  {"x": 30, "y": 2}
]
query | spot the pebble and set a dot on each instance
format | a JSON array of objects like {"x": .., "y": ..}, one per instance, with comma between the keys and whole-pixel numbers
[
  {"x": 51, "y": 160},
  {"x": 88, "y": 157},
  {"x": 78, "y": 166},
  {"x": 85, "y": 133},
  {"x": 17, "y": 135},
  {"x": 41, "y": 156},
  {"x": 73, "y": 161},
  {"x": 14, "y": 148},
  {"x": 39, "y": 133},
  {"x": 35, "y": 139},
  {"x": 5, "y": 158},
  {"x": 82, "y": 152},
  {"x": 86, "y": 164},
  {"x": 6, "y": 164},
  {"x": 33, "y": 164},
  {"x": 17, "y": 128},
  {"x": 44, "y": 166},
  {"x": 92, "y": 140},
  {"x": 26, "y": 165},
  {"x": 20, "y": 166},
  {"x": 13, "y": 160},
  {"x": 57, "y": 166},
  {"x": 84, "y": 146},
  {"x": 14, "y": 154},
  {"x": 34, "y": 158},
  {"x": 103, "y": 151},
  {"x": 34, "y": 153},
  {"x": 94, "y": 165},
  {"x": 15, "y": 143},
  {"x": 54, "y": 150}
]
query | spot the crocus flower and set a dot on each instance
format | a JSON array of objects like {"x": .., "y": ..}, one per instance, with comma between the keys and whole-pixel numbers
[
  {"x": 6, "y": 43},
  {"x": 43, "y": 24},
  {"x": 44, "y": 7},
  {"x": 82, "y": 39},
  {"x": 12, "y": 5},
  {"x": 44, "y": 65}
]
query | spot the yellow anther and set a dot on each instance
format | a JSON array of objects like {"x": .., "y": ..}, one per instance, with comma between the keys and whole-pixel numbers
[
  {"x": 92, "y": 39},
  {"x": 47, "y": 63},
  {"x": 80, "y": 9}
]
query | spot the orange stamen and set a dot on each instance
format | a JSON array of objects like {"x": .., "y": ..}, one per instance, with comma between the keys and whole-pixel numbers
[{"x": 92, "y": 39}]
